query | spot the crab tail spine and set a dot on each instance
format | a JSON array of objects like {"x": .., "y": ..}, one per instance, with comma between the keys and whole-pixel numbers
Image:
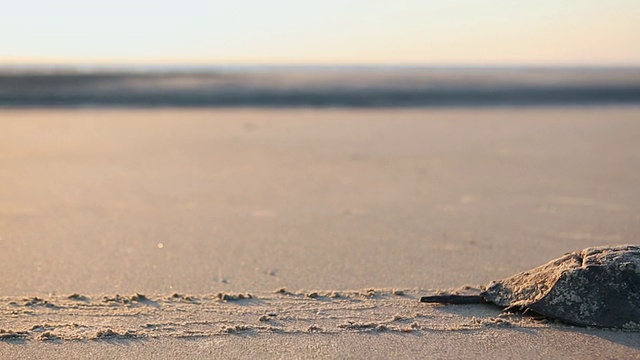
[{"x": 453, "y": 299}]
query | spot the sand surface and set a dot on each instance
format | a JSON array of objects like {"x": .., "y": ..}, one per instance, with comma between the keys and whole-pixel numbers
[{"x": 356, "y": 213}]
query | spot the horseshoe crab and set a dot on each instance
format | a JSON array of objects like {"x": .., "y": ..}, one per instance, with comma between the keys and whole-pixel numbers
[{"x": 598, "y": 286}]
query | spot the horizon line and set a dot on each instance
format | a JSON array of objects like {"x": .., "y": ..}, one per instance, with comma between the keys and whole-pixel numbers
[
  {"x": 151, "y": 65},
  {"x": 115, "y": 62}
]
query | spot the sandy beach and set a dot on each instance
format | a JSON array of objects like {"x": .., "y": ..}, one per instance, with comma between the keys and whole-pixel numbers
[{"x": 200, "y": 233}]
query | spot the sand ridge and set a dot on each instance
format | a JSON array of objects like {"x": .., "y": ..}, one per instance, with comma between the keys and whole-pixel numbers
[{"x": 80, "y": 317}]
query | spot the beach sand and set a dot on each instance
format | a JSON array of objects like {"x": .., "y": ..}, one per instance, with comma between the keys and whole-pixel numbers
[{"x": 354, "y": 213}]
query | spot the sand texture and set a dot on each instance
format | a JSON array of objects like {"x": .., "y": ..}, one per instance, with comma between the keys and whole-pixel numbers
[
  {"x": 282, "y": 318},
  {"x": 355, "y": 214},
  {"x": 138, "y": 316}
]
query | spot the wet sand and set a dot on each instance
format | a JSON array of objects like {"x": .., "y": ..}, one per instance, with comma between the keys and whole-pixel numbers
[{"x": 108, "y": 204}]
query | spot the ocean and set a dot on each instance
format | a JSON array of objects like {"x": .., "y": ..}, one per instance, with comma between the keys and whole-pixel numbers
[{"x": 315, "y": 86}]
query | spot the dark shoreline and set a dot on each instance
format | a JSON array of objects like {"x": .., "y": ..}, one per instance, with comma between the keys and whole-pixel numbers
[{"x": 320, "y": 87}]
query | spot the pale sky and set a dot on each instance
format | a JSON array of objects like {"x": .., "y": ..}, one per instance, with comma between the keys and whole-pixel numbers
[{"x": 439, "y": 32}]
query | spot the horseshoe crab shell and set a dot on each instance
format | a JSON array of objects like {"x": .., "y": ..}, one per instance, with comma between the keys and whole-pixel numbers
[{"x": 598, "y": 286}]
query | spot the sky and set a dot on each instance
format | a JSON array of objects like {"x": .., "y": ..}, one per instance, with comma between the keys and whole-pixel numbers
[{"x": 438, "y": 32}]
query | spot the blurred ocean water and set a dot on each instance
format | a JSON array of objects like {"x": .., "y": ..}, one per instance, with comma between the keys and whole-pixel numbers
[{"x": 315, "y": 86}]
